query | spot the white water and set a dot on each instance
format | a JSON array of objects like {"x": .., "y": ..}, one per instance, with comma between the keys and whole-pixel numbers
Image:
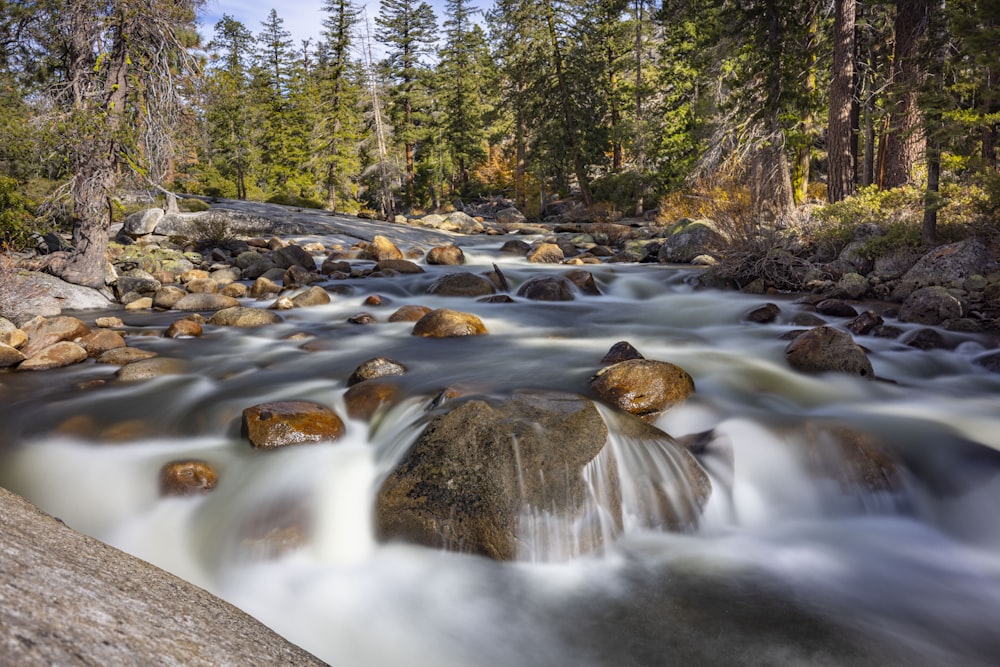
[{"x": 787, "y": 566}]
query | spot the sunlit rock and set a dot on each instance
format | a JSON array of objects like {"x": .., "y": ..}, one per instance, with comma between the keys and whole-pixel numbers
[
  {"x": 202, "y": 302},
  {"x": 62, "y": 327},
  {"x": 449, "y": 255},
  {"x": 643, "y": 387},
  {"x": 10, "y": 356},
  {"x": 98, "y": 342},
  {"x": 241, "y": 316},
  {"x": 147, "y": 369},
  {"x": 167, "y": 296},
  {"x": 398, "y": 265},
  {"x": 263, "y": 287},
  {"x": 825, "y": 349},
  {"x": 314, "y": 296},
  {"x": 375, "y": 368},
  {"x": 184, "y": 478},
  {"x": 380, "y": 249},
  {"x": 125, "y": 355},
  {"x": 235, "y": 290},
  {"x": 183, "y": 328},
  {"x": 445, "y": 323},
  {"x": 277, "y": 424},
  {"x": 546, "y": 253},
  {"x": 409, "y": 313},
  {"x": 63, "y": 353}
]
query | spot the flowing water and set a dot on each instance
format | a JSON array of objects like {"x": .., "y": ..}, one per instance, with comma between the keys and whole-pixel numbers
[{"x": 798, "y": 559}]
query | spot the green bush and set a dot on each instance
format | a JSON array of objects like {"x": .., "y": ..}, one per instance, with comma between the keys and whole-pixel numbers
[
  {"x": 17, "y": 220},
  {"x": 285, "y": 199}
]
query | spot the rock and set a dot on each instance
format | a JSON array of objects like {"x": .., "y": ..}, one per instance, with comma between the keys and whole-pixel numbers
[
  {"x": 252, "y": 264},
  {"x": 167, "y": 297},
  {"x": 142, "y": 303},
  {"x": 449, "y": 255},
  {"x": 277, "y": 424},
  {"x": 143, "y": 222},
  {"x": 235, "y": 290},
  {"x": 926, "y": 339},
  {"x": 584, "y": 281},
  {"x": 864, "y": 323},
  {"x": 147, "y": 369},
  {"x": 314, "y": 296},
  {"x": 947, "y": 266},
  {"x": 852, "y": 285},
  {"x": 547, "y": 288},
  {"x": 362, "y": 318},
  {"x": 510, "y": 216},
  {"x": 546, "y": 253},
  {"x": 474, "y": 469},
  {"x": 185, "y": 478},
  {"x": 282, "y": 303},
  {"x": 293, "y": 255},
  {"x": 192, "y": 274},
  {"x": 203, "y": 286},
  {"x": 930, "y": 305},
  {"x": 990, "y": 361},
  {"x": 409, "y": 313},
  {"x": 10, "y": 356},
  {"x": 61, "y": 327},
  {"x": 381, "y": 249},
  {"x": 98, "y": 342},
  {"x": 263, "y": 287},
  {"x": 139, "y": 282},
  {"x": 689, "y": 239},
  {"x": 764, "y": 314},
  {"x": 643, "y": 387},
  {"x": 124, "y": 355},
  {"x": 621, "y": 351},
  {"x": 241, "y": 316},
  {"x": 364, "y": 399},
  {"x": 183, "y": 328},
  {"x": 63, "y": 353},
  {"x": 28, "y": 294},
  {"x": 196, "y": 303},
  {"x": 826, "y": 349},
  {"x": 516, "y": 247},
  {"x": 855, "y": 459},
  {"x": 10, "y": 334},
  {"x": 836, "y": 308},
  {"x": 76, "y": 601},
  {"x": 333, "y": 264},
  {"x": 376, "y": 300},
  {"x": 109, "y": 322},
  {"x": 375, "y": 368},
  {"x": 445, "y": 323},
  {"x": 462, "y": 223},
  {"x": 462, "y": 284},
  {"x": 398, "y": 265}
]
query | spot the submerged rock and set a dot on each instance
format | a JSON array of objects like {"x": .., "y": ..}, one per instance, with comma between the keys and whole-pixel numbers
[
  {"x": 364, "y": 399},
  {"x": 184, "y": 478},
  {"x": 277, "y": 424}
]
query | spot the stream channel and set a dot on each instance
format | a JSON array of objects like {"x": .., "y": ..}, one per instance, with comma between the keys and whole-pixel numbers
[{"x": 796, "y": 559}]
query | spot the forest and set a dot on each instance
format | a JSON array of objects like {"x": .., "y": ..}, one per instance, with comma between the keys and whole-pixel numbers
[{"x": 624, "y": 105}]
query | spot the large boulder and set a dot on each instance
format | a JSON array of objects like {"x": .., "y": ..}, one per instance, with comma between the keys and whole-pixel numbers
[
  {"x": 946, "y": 266},
  {"x": 930, "y": 305},
  {"x": 510, "y": 216},
  {"x": 27, "y": 294},
  {"x": 293, "y": 255},
  {"x": 381, "y": 249},
  {"x": 462, "y": 223},
  {"x": 142, "y": 223},
  {"x": 643, "y": 387},
  {"x": 477, "y": 467},
  {"x": 689, "y": 239},
  {"x": 63, "y": 353},
  {"x": 69, "y": 599},
  {"x": 825, "y": 349},
  {"x": 546, "y": 253}
]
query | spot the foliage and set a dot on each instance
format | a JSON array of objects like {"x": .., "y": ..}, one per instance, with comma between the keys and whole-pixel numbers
[{"x": 16, "y": 217}]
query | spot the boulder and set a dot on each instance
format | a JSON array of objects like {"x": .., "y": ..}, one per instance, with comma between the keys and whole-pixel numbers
[
  {"x": 63, "y": 353},
  {"x": 510, "y": 216},
  {"x": 689, "y": 239},
  {"x": 76, "y": 601},
  {"x": 381, "y": 249},
  {"x": 277, "y": 424},
  {"x": 375, "y": 368},
  {"x": 946, "y": 266},
  {"x": 825, "y": 349},
  {"x": 930, "y": 305},
  {"x": 153, "y": 367},
  {"x": 462, "y": 284},
  {"x": 764, "y": 314},
  {"x": 836, "y": 308},
  {"x": 409, "y": 313},
  {"x": 183, "y": 328},
  {"x": 547, "y": 288},
  {"x": 584, "y": 281},
  {"x": 263, "y": 287},
  {"x": 864, "y": 323},
  {"x": 142, "y": 223},
  {"x": 478, "y": 465},
  {"x": 61, "y": 327},
  {"x": 643, "y": 387},
  {"x": 235, "y": 290},
  {"x": 293, "y": 255},
  {"x": 124, "y": 355},
  {"x": 516, "y": 247},
  {"x": 10, "y": 356},
  {"x": 621, "y": 351},
  {"x": 185, "y": 478},
  {"x": 546, "y": 253},
  {"x": 364, "y": 399},
  {"x": 167, "y": 297},
  {"x": 449, "y": 255},
  {"x": 28, "y": 294},
  {"x": 203, "y": 286},
  {"x": 201, "y": 302},
  {"x": 314, "y": 296},
  {"x": 398, "y": 265},
  {"x": 241, "y": 316},
  {"x": 11, "y": 335},
  {"x": 445, "y": 323},
  {"x": 98, "y": 342}
]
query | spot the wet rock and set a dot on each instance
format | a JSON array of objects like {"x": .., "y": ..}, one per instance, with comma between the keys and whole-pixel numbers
[
  {"x": 445, "y": 323},
  {"x": 278, "y": 424},
  {"x": 926, "y": 339},
  {"x": 183, "y": 328},
  {"x": 333, "y": 264},
  {"x": 167, "y": 297},
  {"x": 764, "y": 314},
  {"x": 63, "y": 353},
  {"x": 643, "y": 387},
  {"x": 240, "y": 316},
  {"x": 802, "y": 319},
  {"x": 887, "y": 331},
  {"x": 621, "y": 351},
  {"x": 547, "y": 288},
  {"x": 409, "y": 313},
  {"x": 836, "y": 308},
  {"x": 98, "y": 342},
  {"x": 496, "y": 298},
  {"x": 263, "y": 287},
  {"x": 461, "y": 284},
  {"x": 194, "y": 303},
  {"x": 825, "y": 349},
  {"x": 147, "y": 369},
  {"x": 375, "y": 368},
  {"x": 314, "y": 296},
  {"x": 381, "y": 249},
  {"x": 296, "y": 276},
  {"x": 584, "y": 281},
  {"x": 857, "y": 460},
  {"x": 366, "y": 398},
  {"x": 185, "y": 478},
  {"x": 399, "y": 266},
  {"x": 293, "y": 255},
  {"x": 376, "y": 300},
  {"x": 362, "y": 318},
  {"x": 864, "y": 323},
  {"x": 10, "y": 356},
  {"x": 516, "y": 247},
  {"x": 449, "y": 255},
  {"x": 930, "y": 305},
  {"x": 464, "y": 483},
  {"x": 124, "y": 355},
  {"x": 546, "y": 253},
  {"x": 989, "y": 361}
]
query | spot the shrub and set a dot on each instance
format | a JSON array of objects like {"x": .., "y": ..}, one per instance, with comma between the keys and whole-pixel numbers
[{"x": 17, "y": 221}]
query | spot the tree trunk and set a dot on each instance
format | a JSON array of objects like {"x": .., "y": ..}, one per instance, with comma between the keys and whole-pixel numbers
[
  {"x": 770, "y": 182},
  {"x": 905, "y": 140},
  {"x": 520, "y": 160},
  {"x": 934, "y": 130},
  {"x": 840, "y": 134}
]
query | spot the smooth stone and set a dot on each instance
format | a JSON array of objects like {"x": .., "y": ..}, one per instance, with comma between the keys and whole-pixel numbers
[
  {"x": 642, "y": 387},
  {"x": 202, "y": 302},
  {"x": 445, "y": 323},
  {"x": 147, "y": 369},
  {"x": 241, "y": 316},
  {"x": 61, "y": 354},
  {"x": 277, "y": 424},
  {"x": 185, "y": 478}
]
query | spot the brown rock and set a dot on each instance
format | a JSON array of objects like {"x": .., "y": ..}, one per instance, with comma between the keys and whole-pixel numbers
[
  {"x": 184, "y": 327},
  {"x": 375, "y": 368},
  {"x": 547, "y": 288},
  {"x": 364, "y": 399},
  {"x": 865, "y": 323},
  {"x": 62, "y": 327},
  {"x": 461, "y": 284},
  {"x": 584, "y": 281},
  {"x": 409, "y": 313},
  {"x": 398, "y": 265},
  {"x": 277, "y": 424},
  {"x": 147, "y": 369},
  {"x": 109, "y": 322},
  {"x": 314, "y": 296},
  {"x": 142, "y": 303},
  {"x": 203, "y": 286},
  {"x": 764, "y": 314},
  {"x": 293, "y": 255},
  {"x": 192, "y": 274},
  {"x": 856, "y": 459},
  {"x": 184, "y": 478},
  {"x": 445, "y": 323},
  {"x": 381, "y": 249},
  {"x": 827, "y": 349},
  {"x": 235, "y": 290},
  {"x": 241, "y": 316},
  {"x": 167, "y": 297},
  {"x": 11, "y": 335},
  {"x": 10, "y": 356},
  {"x": 376, "y": 300},
  {"x": 263, "y": 287},
  {"x": 449, "y": 255},
  {"x": 205, "y": 302},
  {"x": 546, "y": 253},
  {"x": 621, "y": 351},
  {"x": 643, "y": 387},
  {"x": 124, "y": 355},
  {"x": 63, "y": 353},
  {"x": 98, "y": 342}
]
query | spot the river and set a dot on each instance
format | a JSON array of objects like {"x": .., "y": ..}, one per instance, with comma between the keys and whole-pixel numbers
[{"x": 794, "y": 562}]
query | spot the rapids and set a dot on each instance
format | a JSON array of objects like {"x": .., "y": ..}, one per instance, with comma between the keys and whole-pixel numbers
[{"x": 788, "y": 566}]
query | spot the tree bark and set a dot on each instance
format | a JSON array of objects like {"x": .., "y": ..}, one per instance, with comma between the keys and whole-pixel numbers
[
  {"x": 905, "y": 140},
  {"x": 840, "y": 133}
]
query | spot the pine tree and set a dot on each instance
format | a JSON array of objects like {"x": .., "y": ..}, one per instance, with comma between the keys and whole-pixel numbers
[{"x": 840, "y": 146}]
